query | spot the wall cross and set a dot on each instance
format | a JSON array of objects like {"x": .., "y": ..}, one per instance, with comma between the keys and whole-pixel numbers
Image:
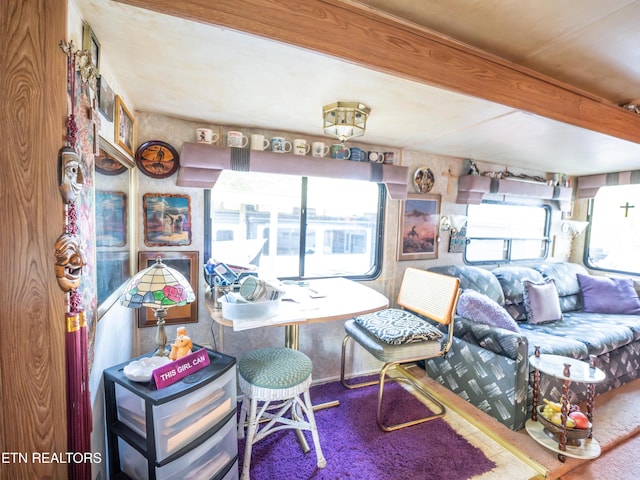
[{"x": 626, "y": 207}]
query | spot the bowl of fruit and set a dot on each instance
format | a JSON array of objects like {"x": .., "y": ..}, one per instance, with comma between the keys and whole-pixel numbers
[{"x": 578, "y": 424}]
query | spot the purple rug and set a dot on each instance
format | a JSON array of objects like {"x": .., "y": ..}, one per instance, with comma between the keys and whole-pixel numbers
[{"x": 355, "y": 448}]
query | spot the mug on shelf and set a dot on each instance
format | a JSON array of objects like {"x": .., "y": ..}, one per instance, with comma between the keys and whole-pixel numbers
[
  {"x": 258, "y": 142},
  {"x": 237, "y": 139},
  {"x": 280, "y": 145},
  {"x": 357, "y": 155},
  {"x": 319, "y": 149},
  {"x": 300, "y": 146},
  {"x": 206, "y": 135},
  {"x": 376, "y": 157},
  {"x": 338, "y": 150}
]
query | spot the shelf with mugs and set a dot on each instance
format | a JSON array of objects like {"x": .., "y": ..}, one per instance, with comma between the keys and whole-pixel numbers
[{"x": 201, "y": 163}]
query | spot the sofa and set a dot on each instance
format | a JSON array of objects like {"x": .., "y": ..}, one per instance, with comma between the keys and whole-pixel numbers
[{"x": 488, "y": 364}]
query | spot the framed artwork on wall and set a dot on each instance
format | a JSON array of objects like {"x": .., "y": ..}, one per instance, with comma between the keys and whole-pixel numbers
[
  {"x": 106, "y": 99},
  {"x": 90, "y": 44},
  {"x": 187, "y": 264},
  {"x": 418, "y": 227},
  {"x": 167, "y": 219},
  {"x": 111, "y": 219},
  {"x": 123, "y": 126}
]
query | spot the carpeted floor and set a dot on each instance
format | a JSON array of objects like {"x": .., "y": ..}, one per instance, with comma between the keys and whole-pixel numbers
[
  {"x": 355, "y": 448},
  {"x": 616, "y": 428}
]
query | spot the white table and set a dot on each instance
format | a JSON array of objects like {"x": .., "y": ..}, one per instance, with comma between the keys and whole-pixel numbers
[{"x": 568, "y": 370}]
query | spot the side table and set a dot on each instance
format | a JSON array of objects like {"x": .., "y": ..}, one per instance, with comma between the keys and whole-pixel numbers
[{"x": 568, "y": 370}]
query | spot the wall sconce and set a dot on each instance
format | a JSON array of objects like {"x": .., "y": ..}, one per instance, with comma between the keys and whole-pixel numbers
[
  {"x": 345, "y": 120},
  {"x": 573, "y": 228},
  {"x": 453, "y": 223}
]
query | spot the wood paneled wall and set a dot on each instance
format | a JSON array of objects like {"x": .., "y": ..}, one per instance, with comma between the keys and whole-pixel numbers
[{"x": 32, "y": 127}]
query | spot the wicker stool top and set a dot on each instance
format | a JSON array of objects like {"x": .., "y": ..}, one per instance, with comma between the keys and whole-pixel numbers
[{"x": 275, "y": 368}]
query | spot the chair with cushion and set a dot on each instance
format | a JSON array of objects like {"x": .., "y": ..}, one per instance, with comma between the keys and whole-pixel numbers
[
  {"x": 398, "y": 336},
  {"x": 273, "y": 380}
]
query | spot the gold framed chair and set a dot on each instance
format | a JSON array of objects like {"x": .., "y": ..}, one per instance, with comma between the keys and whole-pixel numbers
[{"x": 398, "y": 336}]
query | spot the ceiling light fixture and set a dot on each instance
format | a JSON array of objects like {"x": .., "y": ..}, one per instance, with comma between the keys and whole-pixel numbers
[{"x": 345, "y": 120}]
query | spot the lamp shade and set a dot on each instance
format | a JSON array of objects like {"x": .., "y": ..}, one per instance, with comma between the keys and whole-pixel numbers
[{"x": 157, "y": 286}]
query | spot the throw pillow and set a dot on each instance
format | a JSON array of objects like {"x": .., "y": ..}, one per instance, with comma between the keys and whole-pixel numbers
[
  {"x": 398, "y": 327},
  {"x": 608, "y": 295},
  {"x": 541, "y": 302},
  {"x": 482, "y": 309}
]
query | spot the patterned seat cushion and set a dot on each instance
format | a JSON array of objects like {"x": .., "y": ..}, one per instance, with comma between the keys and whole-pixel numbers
[
  {"x": 276, "y": 368},
  {"x": 398, "y": 327}
]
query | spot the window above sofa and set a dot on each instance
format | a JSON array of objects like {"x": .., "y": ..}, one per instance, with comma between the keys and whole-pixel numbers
[
  {"x": 614, "y": 230},
  {"x": 501, "y": 233}
]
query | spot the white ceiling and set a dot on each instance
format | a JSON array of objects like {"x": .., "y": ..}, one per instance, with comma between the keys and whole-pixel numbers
[{"x": 208, "y": 74}]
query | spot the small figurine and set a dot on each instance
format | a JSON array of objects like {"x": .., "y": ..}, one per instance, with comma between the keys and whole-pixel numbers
[{"x": 182, "y": 346}]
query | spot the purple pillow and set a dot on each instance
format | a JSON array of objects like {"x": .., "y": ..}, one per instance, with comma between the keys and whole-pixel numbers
[
  {"x": 482, "y": 309},
  {"x": 608, "y": 295},
  {"x": 541, "y": 302}
]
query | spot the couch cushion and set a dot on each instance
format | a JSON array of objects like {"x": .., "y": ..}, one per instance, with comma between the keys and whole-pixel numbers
[
  {"x": 541, "y": 302},
  {"x": 511, "y": 279},
  {"x": 480, "y": 308},
  {"x": 609, "y": 295},
  {"x": 476, "y": 278},
  {"x": 565, "y": 276},
  {"x": 598, "y": 332}
]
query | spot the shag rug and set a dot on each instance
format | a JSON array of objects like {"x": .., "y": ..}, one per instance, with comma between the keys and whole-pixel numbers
[{"x": 355, "y": 448}]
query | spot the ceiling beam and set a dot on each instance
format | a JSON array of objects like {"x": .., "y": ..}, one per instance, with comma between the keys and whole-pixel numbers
[{"x": 372, "y": 39}]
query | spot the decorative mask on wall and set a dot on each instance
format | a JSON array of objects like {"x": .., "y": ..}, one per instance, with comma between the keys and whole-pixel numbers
[
  {"x": 71, "y": 177},
  {"x": 69, "y": 262}
]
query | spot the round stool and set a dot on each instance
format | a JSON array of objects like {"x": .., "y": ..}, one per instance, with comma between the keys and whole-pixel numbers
[{"x": 275, "y": 375}]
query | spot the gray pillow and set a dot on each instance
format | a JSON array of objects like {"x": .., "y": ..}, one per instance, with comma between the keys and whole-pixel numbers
[
  {"x": 541, "y": 302},
  {"x": 479, "y": 308}
]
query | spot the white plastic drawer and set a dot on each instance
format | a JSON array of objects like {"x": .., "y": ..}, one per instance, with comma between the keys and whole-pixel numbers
[
  {"x": 179, "y": 421},
  {"x": 203, "y": 462}
]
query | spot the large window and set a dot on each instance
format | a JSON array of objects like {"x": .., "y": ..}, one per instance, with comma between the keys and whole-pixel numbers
[
  {"x": 502, "y": 233},
  {"x": 613, "y": 240},
  {"x": 297, "y": 227}
]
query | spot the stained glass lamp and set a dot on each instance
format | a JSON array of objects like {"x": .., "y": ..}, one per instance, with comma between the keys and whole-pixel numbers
[{"x": 158, "y": 287}]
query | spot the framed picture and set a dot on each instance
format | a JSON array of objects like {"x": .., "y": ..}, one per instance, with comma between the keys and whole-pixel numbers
[
  {"x": 111, "y": 219},
  {"x": 187, "y": 264},
  {"x": 123, "y": 126},
  {"x": 90, "y": 43},
  {"x": 418, "y": 228},
  {"x": 106, "y": 99},
  {"x": 167, "y": 219}
]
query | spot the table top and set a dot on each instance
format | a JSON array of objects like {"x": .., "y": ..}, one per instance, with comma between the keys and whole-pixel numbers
[
  {"x": 579, "y": 371},
  {"x": 321, "y": 300}
]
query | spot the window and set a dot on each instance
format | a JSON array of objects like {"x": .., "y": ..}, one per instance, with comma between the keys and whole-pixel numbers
[
  {"x": 501, "y": 233},
  {"x": 294, "y": 227},
  {"x": 613, "y": 238}
]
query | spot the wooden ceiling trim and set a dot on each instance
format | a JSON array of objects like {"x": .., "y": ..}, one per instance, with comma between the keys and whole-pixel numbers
[{"x": 363, "y": 36}]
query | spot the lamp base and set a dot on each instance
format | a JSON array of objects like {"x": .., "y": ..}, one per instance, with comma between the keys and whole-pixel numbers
[{"x": 161, "y": 336}]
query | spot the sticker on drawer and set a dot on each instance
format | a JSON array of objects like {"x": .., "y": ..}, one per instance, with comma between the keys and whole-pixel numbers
[{"x": 180, "y": 368}]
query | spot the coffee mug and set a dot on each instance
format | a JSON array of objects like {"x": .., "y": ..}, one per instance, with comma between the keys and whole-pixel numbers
[
  {"x": 338, "y": 150},
  {"x": 280, "y": 145},
  {"x": 389, "y": 158},
  {"x": 237, "y": 139},
  {"x": 300, "y": 146},
  {"x": 357, "y": 155},
  {"x": 257, "y": 290},
  {"x": 376, "y": 157},
  {"x": 258, "y": 142},
  {"x": 319, "y": 149},
  {"x": 206, "y": 135}
]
